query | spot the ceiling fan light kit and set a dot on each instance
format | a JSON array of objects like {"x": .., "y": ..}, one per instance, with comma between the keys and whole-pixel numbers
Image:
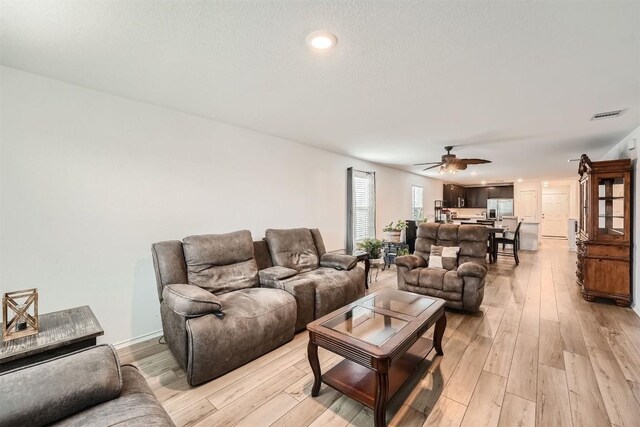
[{"x": 450, "y": 163}]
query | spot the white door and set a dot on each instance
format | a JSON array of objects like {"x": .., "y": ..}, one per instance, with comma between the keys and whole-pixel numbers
[
  {"x": 528, "y": 205},
  {"x": 554, "y": 214}
]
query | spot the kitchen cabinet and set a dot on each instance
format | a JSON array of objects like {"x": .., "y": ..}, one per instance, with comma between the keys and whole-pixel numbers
[
  {"x": 494, "y": 193},
  {"x": 454, "y": 196},
  {"x": 483, "y": 195},
  {"x": 474, "y": 197},
  {"x": 506, "y": 192}
]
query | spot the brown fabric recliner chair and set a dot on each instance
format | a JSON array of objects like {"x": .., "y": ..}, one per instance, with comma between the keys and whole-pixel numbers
[
  {"x": 215, "y": 317},
  {"x": 296, "y": 261},
  {"x": 461, "y": 288}
]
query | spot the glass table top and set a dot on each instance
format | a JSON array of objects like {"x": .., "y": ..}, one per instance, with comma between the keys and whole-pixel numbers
[
  {"x": 400, "y": 302},
  {"x": 366, "y": 324}
]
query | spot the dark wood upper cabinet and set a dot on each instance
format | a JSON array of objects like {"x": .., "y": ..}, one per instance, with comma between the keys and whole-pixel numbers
[
  {"x": 494, "y": 192},
  {"x": 454, "y": 196},
  {"x": 506, "y": 192},
  {"x": 483, "y": 195},
  {"x": 474, "y": 197}
]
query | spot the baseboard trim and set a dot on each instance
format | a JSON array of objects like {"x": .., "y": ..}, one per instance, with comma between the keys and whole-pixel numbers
[{"x": 136, "y": 340}]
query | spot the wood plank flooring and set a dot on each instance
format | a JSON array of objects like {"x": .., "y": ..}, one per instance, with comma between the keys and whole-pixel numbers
[{"x": 536, "y": 354}]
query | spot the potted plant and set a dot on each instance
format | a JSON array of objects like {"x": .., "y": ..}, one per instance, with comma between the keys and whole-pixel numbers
[
  {"x": 372, "y": 246},
  {"x": 393, "y": 232}
]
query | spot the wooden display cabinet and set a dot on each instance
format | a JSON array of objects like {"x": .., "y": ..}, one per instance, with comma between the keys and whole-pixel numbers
[{"x": 605, "y": 240}]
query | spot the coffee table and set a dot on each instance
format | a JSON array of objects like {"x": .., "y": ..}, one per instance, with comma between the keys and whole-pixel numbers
[
  {"x": 61, "y": 332},
  {"x": 380, "y": 337}
]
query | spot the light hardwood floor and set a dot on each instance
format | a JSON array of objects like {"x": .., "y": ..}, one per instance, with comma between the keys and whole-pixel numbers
[{"x": 536, "y": 354}]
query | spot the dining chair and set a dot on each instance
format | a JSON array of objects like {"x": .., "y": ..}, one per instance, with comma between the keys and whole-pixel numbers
[{"x": 513, "y": 241}]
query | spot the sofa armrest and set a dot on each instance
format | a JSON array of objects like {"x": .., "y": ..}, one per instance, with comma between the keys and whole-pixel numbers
[
  {"x": 338, "y": 261},
  {"x": 190, "y": 300},
  {"x": 472, "y": 269},
  {"x": 410, "y": 261},
  {"x": 58, "y": 388},
  {"x": 276, "y": 273}
]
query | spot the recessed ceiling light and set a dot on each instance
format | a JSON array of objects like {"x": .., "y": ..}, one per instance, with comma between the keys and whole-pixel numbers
[
  {"x": 519, "y": 179},
  {"x": 483, "y": 182},
  {"x": 474, "y": 173},
  {"x": 321, "y": 40}
]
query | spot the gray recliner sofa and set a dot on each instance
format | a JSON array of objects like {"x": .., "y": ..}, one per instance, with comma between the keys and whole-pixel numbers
[
  {"x": 295, "y": 260},
  {"x": 215, "y": 317},
  {"x": 463, "y": 286},
  {"x": 88, "y": 387}
]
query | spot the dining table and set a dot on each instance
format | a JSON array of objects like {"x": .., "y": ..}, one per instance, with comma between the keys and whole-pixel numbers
[{"x": 493, "y": 246}]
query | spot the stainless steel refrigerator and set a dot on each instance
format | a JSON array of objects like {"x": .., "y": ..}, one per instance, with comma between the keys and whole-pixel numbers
[{"x": 497, "y": 208}]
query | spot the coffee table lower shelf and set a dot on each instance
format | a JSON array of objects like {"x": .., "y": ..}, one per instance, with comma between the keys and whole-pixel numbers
[{"x": 359, "y": 382}]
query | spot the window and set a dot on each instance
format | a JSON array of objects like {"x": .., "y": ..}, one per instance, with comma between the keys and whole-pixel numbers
[
  {"x": 361, "y": 199},
  {"x": 417, "y": 202}
]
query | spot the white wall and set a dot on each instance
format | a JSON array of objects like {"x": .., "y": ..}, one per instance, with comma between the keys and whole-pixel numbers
[
  {"x": 88, "y": 181},
  {"x": 570, "y": 184},
  {"x": 622, "y": 151}
]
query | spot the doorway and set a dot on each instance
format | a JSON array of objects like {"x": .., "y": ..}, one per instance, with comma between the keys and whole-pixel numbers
[{"x": 555, "y": 212}]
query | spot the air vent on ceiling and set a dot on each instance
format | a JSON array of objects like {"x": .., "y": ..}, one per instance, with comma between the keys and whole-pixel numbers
[{"x": 607, "y": 115}]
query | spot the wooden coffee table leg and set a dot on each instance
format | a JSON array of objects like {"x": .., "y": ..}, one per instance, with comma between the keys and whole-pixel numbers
[
  {"x": 441, "y": 324},
  {"x": 312, "y": 352},
  {"x": 367, "y": 266},
  {"x": 382, "y": 389}
]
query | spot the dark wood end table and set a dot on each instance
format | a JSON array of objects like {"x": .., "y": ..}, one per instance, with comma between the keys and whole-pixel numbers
[
  {"x": 61, "y": 332},
  {"x": 380, "y": 337}
]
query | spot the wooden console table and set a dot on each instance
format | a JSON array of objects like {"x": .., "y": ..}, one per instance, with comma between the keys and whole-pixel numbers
[{"x": 61, "y": 332}]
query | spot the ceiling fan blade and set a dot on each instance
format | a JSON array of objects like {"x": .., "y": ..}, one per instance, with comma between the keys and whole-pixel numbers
[
  {"x": 473, "y": 161},
  {"x": 428, "y": 163},
  {"x": 431, "y": 167}
]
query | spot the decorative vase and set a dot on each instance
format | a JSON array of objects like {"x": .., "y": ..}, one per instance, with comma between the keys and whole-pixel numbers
[{"x": 393, "y": 236}]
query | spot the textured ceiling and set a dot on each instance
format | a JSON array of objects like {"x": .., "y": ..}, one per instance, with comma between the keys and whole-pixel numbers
[{"x": 514, "y": 82}]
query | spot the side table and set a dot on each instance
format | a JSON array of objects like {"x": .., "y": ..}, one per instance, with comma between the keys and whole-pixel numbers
[{"x": 61, "y": 332}]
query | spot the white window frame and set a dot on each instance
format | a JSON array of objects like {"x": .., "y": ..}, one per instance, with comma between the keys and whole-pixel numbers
[
  {"x": 417, "y": 209},
  {"x": 361, "y": 203}
]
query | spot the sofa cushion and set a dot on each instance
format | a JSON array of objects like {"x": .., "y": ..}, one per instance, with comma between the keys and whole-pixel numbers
[
  {"x": 452, "y": 282},
  {"x": 444, "y": 257},
  {"x": 276, "y": 273},
  {"x": 321, "y": 291},
  {"x": 168, "y": 263},
  {"x": 136, "y": 406},
  {"x": 221, "y": 263},
  {"x": 338, "y": 261},
  {"x": 452, "y": 299},
  {"x": 318, "y": 241},
  {"x": 293, "y": 248},
  {"x": 473, "y": 244},
  {"x": 257, "y": 320},
  {"x": 190, "y": 300},
  {"x": 54, "y": 389}
]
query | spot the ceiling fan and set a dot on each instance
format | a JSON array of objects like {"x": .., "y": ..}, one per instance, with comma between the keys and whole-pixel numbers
[{"x": 450, "y": 163}]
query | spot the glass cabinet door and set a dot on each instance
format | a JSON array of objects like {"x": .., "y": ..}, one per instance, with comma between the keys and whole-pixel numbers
[
  {"x": 584, "y": 203},
  {"x": 611, "y": 203}
]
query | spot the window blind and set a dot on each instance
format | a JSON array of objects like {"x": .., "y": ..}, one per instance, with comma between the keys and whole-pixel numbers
[
  {"x": 362, "y": 207},
  {"x": 417, "y": 202}
]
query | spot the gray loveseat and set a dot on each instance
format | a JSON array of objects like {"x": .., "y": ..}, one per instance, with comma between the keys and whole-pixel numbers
[
  {"x": 295, "y": 260},
  {"x": 85, "y": 388},
  {"x": 461, "y": 287},
  {"x": 215, "y": 317}
]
